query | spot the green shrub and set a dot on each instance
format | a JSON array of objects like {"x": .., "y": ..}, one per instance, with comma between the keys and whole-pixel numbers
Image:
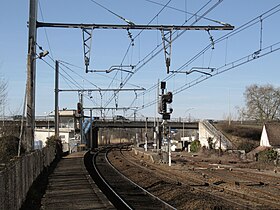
[
  {"x": 195, "y": 146},
  {"x": 8, "y": 148},
  {"x": 247, "y": 146},
  {"x": 267, "y": 155},
  {"x": 55, "y": 142},
  {"x": 51, "y": 141}
]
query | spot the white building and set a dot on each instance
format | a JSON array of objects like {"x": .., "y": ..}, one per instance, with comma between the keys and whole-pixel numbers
[
  {"x": 67, "y": 126},
  {"x": 271, "y": 136},
  {"x": 66, "y": 135}
]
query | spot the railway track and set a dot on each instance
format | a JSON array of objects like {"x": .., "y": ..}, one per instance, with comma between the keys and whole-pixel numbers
[
  {"x": 232, "y": 195},
  {"x": 259, "y": 187},
  {"x": 122, "y": 192}
]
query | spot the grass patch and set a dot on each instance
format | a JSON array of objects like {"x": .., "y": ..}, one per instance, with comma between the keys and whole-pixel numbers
[{"x": 244, "y": 131}]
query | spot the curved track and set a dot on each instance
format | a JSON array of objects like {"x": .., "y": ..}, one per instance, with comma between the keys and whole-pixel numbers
[
  {"x": 223, "y": 191},
  {"x": 121, "y": 191}
]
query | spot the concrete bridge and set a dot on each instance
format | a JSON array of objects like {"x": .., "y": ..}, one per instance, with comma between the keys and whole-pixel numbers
[{"x": 142, "y": 124}]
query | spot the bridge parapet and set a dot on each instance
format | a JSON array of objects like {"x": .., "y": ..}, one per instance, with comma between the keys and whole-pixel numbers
[{"x": 141, "y": 124}]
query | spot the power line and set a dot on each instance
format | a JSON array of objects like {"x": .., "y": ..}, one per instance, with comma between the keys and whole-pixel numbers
[
  {"x": 63, "y": 64},
  {"x": 155, "y": 51},
  {"x": 45, "y": 30},
  {"x": 184, "y": 11},
  {"x": 72, "y": 81},
  {"x": 115, "y": 14},
  {"x": 255, "y": 55},
  {"x": 64, "y": 77},
  {"x": 239, "y": 29},
  {"x": 241, "y": 61},
  {"x": 130, "y": 44}
]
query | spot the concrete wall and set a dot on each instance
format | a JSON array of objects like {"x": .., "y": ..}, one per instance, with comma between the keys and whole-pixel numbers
[
  {"x": 17, "y": 177},
  {"x": 218, "y": 139},
  {"x": 204, "y": 134}
]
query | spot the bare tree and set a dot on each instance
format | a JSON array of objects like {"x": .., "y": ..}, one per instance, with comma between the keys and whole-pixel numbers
[
  {"x": 3, "y": 94},
  {"x": 262, "y": 102}
]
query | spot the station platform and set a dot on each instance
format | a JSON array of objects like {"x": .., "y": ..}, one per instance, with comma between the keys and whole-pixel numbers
[{"x": 71, "y": 187}]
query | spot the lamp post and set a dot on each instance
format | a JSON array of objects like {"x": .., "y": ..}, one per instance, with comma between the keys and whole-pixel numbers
[
  {"x": 48, "y": 120},
  {"x": 184, "y": 120}
]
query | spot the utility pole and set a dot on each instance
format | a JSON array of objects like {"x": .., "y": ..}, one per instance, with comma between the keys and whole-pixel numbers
[
  {"x": 90, "y": 134},
  {"x": 56, "y": 90},
  {"x": 146, "y": 134},
  {"x": 165, "y": 98},
  {"x": 31, "y": 76},
  {"x": 81, "y": 118}
]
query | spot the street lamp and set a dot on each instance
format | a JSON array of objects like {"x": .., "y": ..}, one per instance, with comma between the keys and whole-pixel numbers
[
  {"x": 43, "y": 54},
  {"x": 48, "y": 116},
  {"x": 184, "y": 121}
]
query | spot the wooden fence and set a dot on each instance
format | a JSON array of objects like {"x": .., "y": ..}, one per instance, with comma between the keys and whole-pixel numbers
[{"x": 17, "y": 176}]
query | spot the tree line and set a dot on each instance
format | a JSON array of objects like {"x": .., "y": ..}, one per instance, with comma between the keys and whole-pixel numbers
[{"x": 262, "y": 103}]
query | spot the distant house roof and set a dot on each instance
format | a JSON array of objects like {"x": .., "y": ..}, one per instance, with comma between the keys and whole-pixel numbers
[{"x": 273, "y": 133}]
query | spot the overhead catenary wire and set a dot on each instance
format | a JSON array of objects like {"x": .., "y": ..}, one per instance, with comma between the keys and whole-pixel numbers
[
  {"x": 45, "y": 30},
  {"x": 73, "y": 81},
  {"x": 186, "y": 13},
  {"x": 232, "y": 65},
  {"x": 239, "y": 29},
  {"x": 156, "y": 51},
  {"x": 70, "y": 82},
  {"x": 196, "y": 20},
  {"x": 189, "y": 62},
  {"x": 130, "y": 45},
  {"x": 115, "y": 14},
  {"x": 100, "y": 74},
  {"x": 229, "y": 66},
  {"x": 63, "y": 64}
]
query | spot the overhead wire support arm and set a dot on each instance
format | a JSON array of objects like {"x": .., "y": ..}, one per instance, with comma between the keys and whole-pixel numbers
[
  {"x": 112, "y": 108},
  {"x": 131, "y": 27},
  {"x": 99, "y": 90},
  {"x": 167, "y": 41},
  {"x": 197, "y": 69},
  {"x": 87, "y": 40},
  {"x": 116, "y": 68},
  {"x": 87, "y": 36}
]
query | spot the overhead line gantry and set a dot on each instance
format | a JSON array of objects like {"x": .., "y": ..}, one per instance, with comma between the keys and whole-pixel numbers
[
  {"x": 31, "y": 59},
  {"x": 87, "y": 29},
  {"x": 136, "y": 27}
]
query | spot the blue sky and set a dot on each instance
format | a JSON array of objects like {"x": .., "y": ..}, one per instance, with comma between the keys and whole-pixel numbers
[{"x": 213, "y": 98}]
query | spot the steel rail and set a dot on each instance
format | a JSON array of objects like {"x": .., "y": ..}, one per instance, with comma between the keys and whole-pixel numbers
[
  {"x": 118, "y": 198},
  {"x": 107, "y": 185},
  {"x": 147, "y": 192},
  {"x": 195, "y": 183}
]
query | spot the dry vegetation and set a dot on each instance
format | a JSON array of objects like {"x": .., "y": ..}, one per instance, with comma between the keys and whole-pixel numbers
[{"x": 243, "y": 136}]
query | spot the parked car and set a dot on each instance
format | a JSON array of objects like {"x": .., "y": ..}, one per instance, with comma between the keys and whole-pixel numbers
[{"x": 120, "y": 118}]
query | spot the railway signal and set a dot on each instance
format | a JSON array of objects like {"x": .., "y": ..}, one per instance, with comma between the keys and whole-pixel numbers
[{"x": 79, "y": 109}]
